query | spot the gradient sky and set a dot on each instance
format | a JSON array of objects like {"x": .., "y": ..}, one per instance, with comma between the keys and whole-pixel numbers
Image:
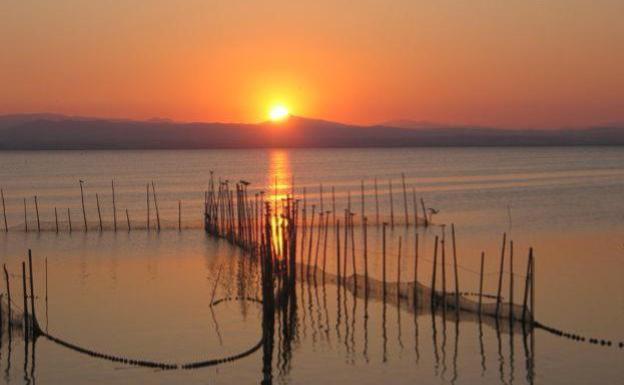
[{"x": 497, "y": 63}]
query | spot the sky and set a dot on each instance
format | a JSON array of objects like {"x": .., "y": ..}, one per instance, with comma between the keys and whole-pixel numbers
[{"x": 516, "y": 64}]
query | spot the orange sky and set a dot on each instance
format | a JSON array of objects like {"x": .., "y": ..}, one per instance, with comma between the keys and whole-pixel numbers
[{"x": 499, "y": 63}]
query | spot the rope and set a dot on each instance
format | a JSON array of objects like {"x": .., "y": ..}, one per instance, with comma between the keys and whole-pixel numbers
[{"x": 161, "y": 364}]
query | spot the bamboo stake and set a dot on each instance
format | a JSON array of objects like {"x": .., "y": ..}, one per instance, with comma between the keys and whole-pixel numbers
[
  {"x": 527, "y": 283},
  {"x": 500, "y": 275},
  {"x": 455, "y": 268},
  {"x": 333, "y": 205},
  {"x": 6, "y": 227},
  {"x": 156, "y": 206},
  {"x": 318, "y": 241},
  {"x": 532, "y": 286},
  {"x": 391, "y": 204},
  {"x": 25, "y": 304},
  {"x": 8, "y": 288},
  {"x": 353, "y": 252},
  {"x": 346, "y": 243},
  {"x": 376, "y": 203},
  {"x": 511, "y": 281},
  {"x": 25, "y": 217},
  {"x": 399, "y": 272},
  {"x": 84, "y": 212},
  {"x": 32, "y": 294},
  {"x": 338, "y": 272},
  {"x": 114, "y": 206},
  {"x": 433, "y": 276},
  {"x": 481, "y": 282},
  {"x": 424, "y": 211},
  {"x": 443, "y": 244},
  {"x": 179, "y": 215},
  {"x": 37, "y": 212},
  {"x": 363, "y": 205},
  {"x": 214, "y": 288},
  {"x": 147, "y": 197},
  {"x": 383, "y": 258},
  {"x": 405, "y": 200},
  {"x": 46, "y": 291},
  {"x": 310, "y": 242},
  {"x": 56, "y": 219},
  {"x": 321, "y": 194},
  {"x": 415, "y": 268},
  {"x": 97, "y": 200},
  {"x": 365, "y": 238},
  {"x": 69, "y": 220},
  {"x": 325, "y": 242},
  {"x": 415, "y": 207}
]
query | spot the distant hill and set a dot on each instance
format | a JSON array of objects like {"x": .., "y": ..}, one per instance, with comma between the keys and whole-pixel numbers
[{"x": 50, "y": 131}]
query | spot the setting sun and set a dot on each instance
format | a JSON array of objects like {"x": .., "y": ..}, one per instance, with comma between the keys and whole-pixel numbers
[{"x": 278, "y": 113}]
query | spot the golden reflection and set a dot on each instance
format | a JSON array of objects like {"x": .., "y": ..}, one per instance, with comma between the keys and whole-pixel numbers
[{"x": 279, "y": 186}]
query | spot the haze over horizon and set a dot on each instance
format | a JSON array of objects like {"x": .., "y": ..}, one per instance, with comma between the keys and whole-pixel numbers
[{"x": 515, "y": 64}]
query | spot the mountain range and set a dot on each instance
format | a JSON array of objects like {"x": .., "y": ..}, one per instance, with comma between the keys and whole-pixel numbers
[{"x": 54, "y": 131}]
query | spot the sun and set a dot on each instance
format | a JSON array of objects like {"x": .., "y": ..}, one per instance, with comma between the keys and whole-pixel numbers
[{"x": 278, "y": 113}]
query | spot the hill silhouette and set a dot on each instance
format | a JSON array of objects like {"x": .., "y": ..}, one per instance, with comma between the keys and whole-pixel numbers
[{"x": 52, "y": 131}]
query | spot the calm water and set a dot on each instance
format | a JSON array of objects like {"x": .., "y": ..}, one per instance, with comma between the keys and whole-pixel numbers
[{"x": 147, "y": 294}]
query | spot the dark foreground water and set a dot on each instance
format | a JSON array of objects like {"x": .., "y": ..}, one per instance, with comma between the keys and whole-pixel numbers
[{"x": 147, "y": 294}]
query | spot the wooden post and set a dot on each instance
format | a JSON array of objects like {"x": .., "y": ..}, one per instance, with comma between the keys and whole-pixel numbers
[
  {"x": 147, "y": 197},
  {"x": 511, "y": 281},
  {"x": 114, "y": 206},
  {"x": 383, "y": 258},
  {"x": 56, "y": 219},
  {"x": 37, "y": 212},
  {"x": 25, "y": 217},
  {"x": 376, "y": 203},
  {"x": 84, "y": 212},
  {"x": 391, "y": 204},
  {"x": 179, "y": 215},
  {"x": 97, "y": 200},
  {"x": 25, "y": 304},
  {"x": 6, "y": 227},
  {"x": 33, "y": 320},
  {"x": 69, "y": 220},
  {"x": 433, "y": 276},
  {"x": 481, "y": 282},
  {"x": 455, "y": 268},
  {"x": 405, "y": 200},
  {"x": 500, "y": 275},
  {"x": 424, "y": 211},
  {"x": 8, "y": 288},
  {"x": 321, "y": 198},
  {"x": 156, "y": 206}
]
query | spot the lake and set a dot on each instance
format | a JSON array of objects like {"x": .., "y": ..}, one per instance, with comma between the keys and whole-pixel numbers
[{"x": 145, "y": 293}]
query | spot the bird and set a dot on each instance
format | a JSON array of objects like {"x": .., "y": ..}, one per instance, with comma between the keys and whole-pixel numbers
[{"x": 432, "y": 211}]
